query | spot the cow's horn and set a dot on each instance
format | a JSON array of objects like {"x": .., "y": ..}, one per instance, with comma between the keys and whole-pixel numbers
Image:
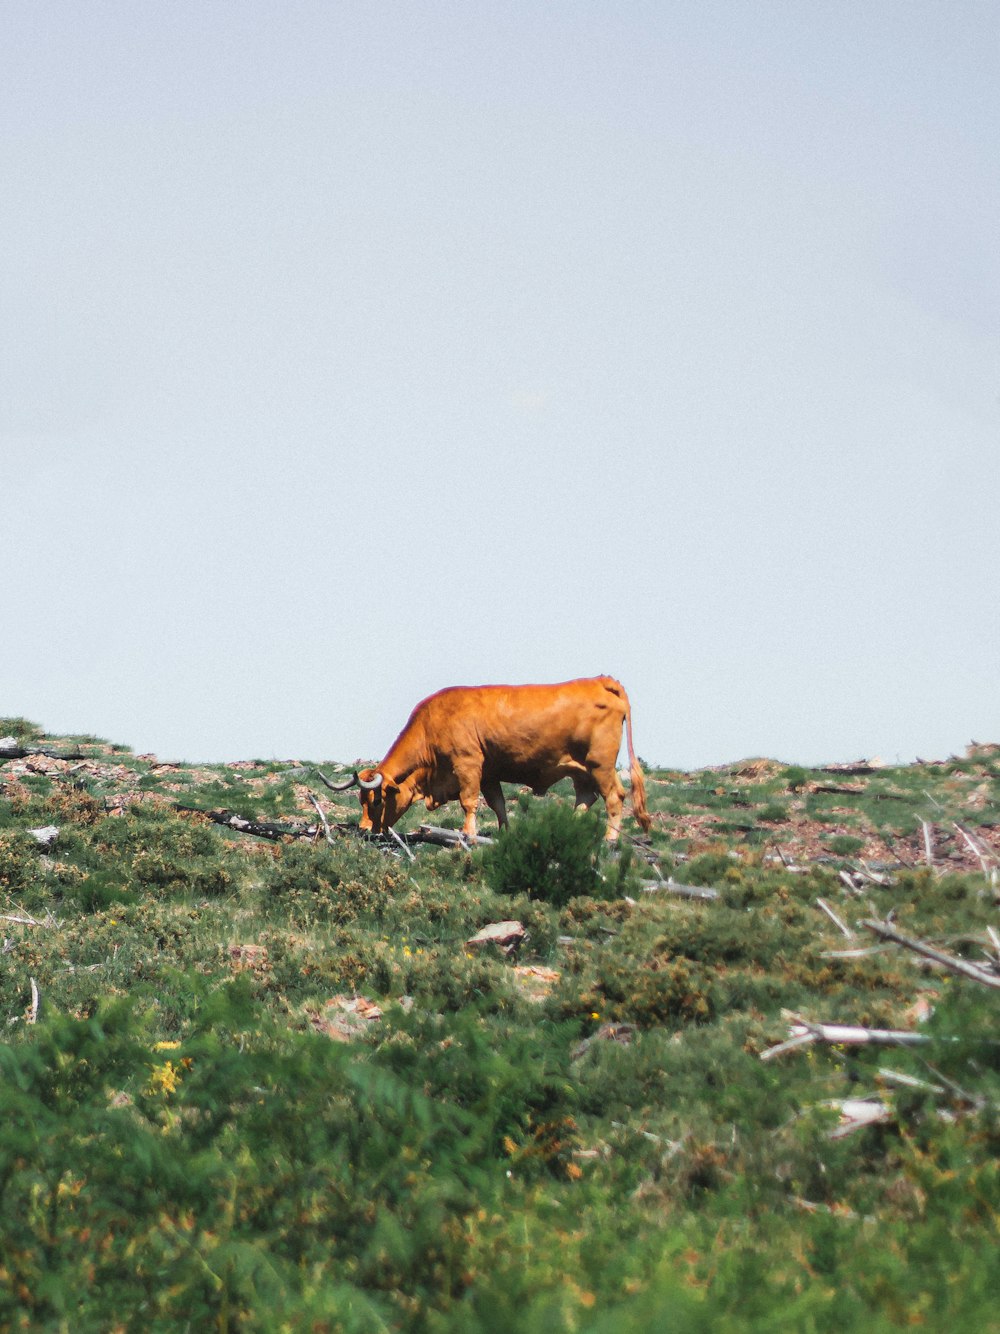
[
  {"x": 370, "y": 784},
  {"x": 340, "y": 787}
]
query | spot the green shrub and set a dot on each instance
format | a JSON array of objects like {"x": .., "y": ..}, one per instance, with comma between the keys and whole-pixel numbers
[
  {"x": 550, "y": 854},
  {"x": 773, "y": 813},
  {"x": 795, "y": 777},
  {"x": 21, "y": 729},
  {"x": 19, "y": 868},
  {"x": 342, "y": 884},
  {"x": 102, "y": 889},
  {"x": 845, "y": 845}
]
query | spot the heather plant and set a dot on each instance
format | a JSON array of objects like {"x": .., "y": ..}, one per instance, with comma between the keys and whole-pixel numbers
[{"x": 551, "y": 853}]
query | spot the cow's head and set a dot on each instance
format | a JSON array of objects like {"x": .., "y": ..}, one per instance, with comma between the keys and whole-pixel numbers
[{"x": 382, "y": 801}]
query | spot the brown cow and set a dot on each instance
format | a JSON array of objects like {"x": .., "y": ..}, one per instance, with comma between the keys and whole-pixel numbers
[{"x": 470, "y": 739}]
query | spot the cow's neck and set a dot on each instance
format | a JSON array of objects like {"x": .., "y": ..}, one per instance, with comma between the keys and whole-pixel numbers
[{"x": 405, "y": 759}]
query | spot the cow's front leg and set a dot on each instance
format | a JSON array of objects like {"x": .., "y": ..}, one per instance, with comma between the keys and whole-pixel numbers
[
  {"x": 468, "y": 795},
  {"x": 585, "y": 793}
]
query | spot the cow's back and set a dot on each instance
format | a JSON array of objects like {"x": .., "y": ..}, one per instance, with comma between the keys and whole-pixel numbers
[{"x": 519, "y": 729}]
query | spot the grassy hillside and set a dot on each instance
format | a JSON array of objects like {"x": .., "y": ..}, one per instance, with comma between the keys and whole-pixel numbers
[{"x": 256, "y": 1083}]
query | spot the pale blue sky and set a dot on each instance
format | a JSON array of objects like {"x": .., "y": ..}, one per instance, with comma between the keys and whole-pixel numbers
[{"x": 351, "y": 350}]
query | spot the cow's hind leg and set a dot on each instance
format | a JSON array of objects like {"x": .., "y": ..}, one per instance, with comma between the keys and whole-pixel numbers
[
  {"x": 611, "y": 789},
  {"x": 493, "y": 793}
]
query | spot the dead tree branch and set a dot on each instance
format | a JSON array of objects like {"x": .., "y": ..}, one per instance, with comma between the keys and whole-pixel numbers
[
  {"x": 444, "y": 838},
  {"x": 323, "y": 819},
  {"x": 982, "y": 854},
  {"x": 672, "y": 886},
  {"x": 26, "y": 920},
  {"x": 804, "y": 1033},
  {"x": 11, "y": 750},
  {"x": 949, "y": 961},
  {"x": 928, "y": 829},
  {"x": 259, "y": 828},
  {"x": 825, "y": 907}
]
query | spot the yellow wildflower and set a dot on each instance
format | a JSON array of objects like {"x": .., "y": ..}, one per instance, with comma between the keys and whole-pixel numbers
[{"x": 163, "y": 1079}]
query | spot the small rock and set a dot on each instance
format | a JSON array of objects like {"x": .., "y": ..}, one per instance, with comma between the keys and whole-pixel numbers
[
  {"x": 345, "y": 1017},
  {"x": 46, "y": 836},
  {"x": 507, "y": 936}
]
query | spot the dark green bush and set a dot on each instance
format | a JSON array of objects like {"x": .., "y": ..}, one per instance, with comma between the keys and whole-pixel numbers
[
  {"x": 19, "y": 868},
  {"x": 773, "y": 813},
  {"x": 103, "y": 889},
  {"x": 21, "y": 729},
  {"x": 551, "y": 854},
  {"x": 845, "y": 845}
]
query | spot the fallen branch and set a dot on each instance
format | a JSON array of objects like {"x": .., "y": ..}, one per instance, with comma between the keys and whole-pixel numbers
[
  {"x": 11, "y": 750},
  {"x": 804, "y": 1033},
  {"x": 29, "y": 921},
  {"x": 852, "y": 954},
  {"x": 983, "y": 855},
  {"x": 873, "y": 877},
  {"x": 856, "y": 1113},
  {"x": 908, "y": 1081},
  {"x": 928, "y": 829},
  {"x": 447, "y": 838},
  {"x": 672, "y": 886},
  {"x": 825, "y": 907},
  {"x": 857, "y": 767},
  {"x": 402, "y": 843},
  {"x": 889, "y": 843},
  {"x": 323, "y": 819},
  {"x": 259, "y": 828},
  {"x": 444, "y": 838},
  {"x": 949, "y": 961},
  {"x": 973, "y": 1099},
  {"x": 848, "y": 879}
]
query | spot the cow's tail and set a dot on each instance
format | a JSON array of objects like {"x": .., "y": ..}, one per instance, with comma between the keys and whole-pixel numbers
[{"x": 635, "y": 775}]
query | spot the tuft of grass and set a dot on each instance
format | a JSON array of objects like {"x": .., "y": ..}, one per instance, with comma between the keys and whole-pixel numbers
[{"x": 845, "y": 845}]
